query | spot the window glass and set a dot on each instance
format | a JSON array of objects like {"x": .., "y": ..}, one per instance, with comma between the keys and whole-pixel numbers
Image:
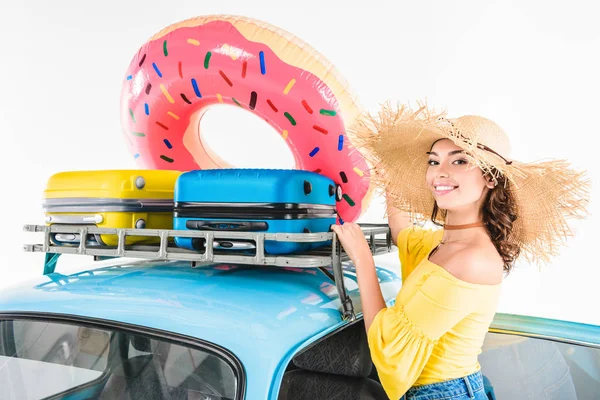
[
  {"x": 41, "y": 359},
  {"x": 516, "y": 367}
]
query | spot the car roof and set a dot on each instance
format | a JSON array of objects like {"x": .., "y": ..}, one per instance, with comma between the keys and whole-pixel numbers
[{"x": 256, "y": 312}]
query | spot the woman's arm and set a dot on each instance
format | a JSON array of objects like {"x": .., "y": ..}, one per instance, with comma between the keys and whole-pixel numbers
[
  {"x": 353, "y": 240},
  {"x": 370, "y": 292},
  {"x": 397, "y": 220},
  {"x": 354, "y": 243}
]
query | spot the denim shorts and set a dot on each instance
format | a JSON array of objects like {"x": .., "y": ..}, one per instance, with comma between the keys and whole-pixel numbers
[{"x": 467, "y": 388}]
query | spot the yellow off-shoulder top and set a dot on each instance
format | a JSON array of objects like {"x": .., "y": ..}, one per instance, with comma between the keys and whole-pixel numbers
[{"x": 436, "y": 328}]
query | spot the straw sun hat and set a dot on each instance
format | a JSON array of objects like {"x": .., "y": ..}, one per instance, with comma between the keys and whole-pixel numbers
[{"x": 547, "y": 194}]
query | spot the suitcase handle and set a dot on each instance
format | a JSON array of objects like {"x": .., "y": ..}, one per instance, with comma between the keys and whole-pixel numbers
[
  {"x": 243, "y": 226},
  {"x": 227, "y": 245}
]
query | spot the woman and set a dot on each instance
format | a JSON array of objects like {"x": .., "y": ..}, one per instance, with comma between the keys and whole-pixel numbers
[{"x": 493, "y": 210}]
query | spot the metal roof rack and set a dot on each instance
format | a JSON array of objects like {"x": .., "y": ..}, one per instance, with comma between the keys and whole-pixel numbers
[{"x": 332, "y": 255}]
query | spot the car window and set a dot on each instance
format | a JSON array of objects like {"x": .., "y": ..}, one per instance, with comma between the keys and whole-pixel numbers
[
  {"x": 41, "y": 359},
  {"x": 516, "y": 367}
]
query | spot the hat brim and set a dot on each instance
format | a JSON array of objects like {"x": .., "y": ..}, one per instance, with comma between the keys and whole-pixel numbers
[{"x": 396, "y": 140}]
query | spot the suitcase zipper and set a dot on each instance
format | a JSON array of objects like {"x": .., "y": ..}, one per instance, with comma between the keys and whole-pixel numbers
[
  {"x": 253, "y": 210},
  {"x": 95, "y": 205}
]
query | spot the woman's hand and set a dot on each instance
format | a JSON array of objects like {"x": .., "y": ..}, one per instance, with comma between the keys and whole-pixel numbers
[{"x": 354, "y": 242}]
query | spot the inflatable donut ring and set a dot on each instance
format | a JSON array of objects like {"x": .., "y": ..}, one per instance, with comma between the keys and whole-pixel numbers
[{"x": 191, "y": 65}]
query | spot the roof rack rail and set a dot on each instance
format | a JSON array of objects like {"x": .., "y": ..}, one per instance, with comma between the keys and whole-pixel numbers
[{"x": 332, "y": 255}]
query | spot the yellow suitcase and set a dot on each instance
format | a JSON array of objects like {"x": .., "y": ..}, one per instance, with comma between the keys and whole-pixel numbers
[{"x": 140, "y": 199}]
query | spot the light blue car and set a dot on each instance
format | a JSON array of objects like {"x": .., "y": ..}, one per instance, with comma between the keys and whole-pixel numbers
[{"x": 179, "y": 329}]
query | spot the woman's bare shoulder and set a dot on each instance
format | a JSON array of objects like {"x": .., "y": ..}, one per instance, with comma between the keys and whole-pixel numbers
[{"x": 479, "y": 263}]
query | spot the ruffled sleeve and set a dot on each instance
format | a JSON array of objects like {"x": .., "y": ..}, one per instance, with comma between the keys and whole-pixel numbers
[
  {"x": 402, "y": 337},
  {"x": 414, "y": 244}
]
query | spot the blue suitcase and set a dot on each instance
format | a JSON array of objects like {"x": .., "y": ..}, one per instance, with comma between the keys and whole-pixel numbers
[{"x": 254, "y": 200}]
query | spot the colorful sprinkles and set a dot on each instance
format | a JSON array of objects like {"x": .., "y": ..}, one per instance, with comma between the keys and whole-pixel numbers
[
  {"x": 166, "y": 93},
  {"x": 167, "y": 159},
  {"x": 348, "y": 200},
  {"x": 157, "y": 70},
  {"x": 270, "y": 103},
  {"x": 253, "y": 97},
  {"x": 320, "y": 129},
  {"x": 314, "y": 152},
  {"x": 341, "y": 143},
  {"x": 289, "y": 86},
  {"x": 165, "y": 50},
  {"x": 307, "y": 107},
  {"x": 329, "y": 113},
  {"x": 290, "y": 118},
  {"x": 344, "y": 177},
  {"x": 146, "y": 109},
  {"x": 263, "y": 68},
  {"x": 207, "y": 60},
  {"x": 196, "y": 89},
  {"x": 168, "y": 144},
  {"x": 183, "y": 96},
  {"x": 225, "y": 78}
]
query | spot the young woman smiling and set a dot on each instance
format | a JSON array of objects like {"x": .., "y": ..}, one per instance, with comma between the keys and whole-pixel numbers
[{"x": 491, "y": 209}]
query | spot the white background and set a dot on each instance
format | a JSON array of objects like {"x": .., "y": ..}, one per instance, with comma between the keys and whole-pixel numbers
[{"x": 532, "y": 66}]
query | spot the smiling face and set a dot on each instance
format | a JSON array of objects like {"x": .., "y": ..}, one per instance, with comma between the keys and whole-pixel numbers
[{"x": 456, "y": 184}]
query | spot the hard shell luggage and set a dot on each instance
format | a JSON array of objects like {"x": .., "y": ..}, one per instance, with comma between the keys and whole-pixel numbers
[
  {"x": 141, "y": 199},
  {"x": 254, "y": 200}
]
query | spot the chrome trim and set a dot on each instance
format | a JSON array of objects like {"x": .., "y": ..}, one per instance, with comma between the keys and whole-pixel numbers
[
  {"x": 544, "y": 337},
  {"x": 75, "y": 219}
]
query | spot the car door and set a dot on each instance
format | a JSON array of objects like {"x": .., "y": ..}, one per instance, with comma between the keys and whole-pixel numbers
[{"x": 535, "y": 358}]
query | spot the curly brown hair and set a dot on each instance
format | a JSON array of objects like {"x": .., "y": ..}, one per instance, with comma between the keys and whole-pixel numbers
[{"x": 499, "y": 214}]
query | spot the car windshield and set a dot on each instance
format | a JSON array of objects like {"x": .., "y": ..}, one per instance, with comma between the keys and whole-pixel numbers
[{"x": 40, "y": 359}]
